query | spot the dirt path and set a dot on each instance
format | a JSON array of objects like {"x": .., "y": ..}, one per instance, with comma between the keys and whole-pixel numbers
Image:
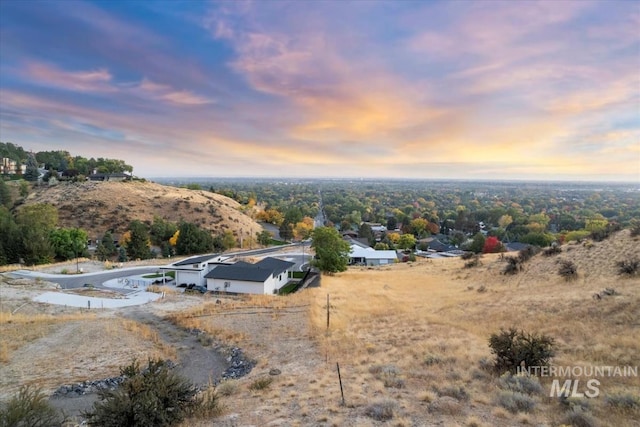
[{"x": 197, "y": 359}]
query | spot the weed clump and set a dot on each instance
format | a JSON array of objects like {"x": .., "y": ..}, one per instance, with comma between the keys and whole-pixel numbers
[
  {"x": 578, "y": 418},
  {"x": 29, "y": 407},
  {"x": 261, "y": 383},
  {"x": 625, "y": 403}
]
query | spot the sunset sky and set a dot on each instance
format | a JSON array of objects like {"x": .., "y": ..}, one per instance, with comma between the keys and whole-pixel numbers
[{"x": 403, "y": 89}]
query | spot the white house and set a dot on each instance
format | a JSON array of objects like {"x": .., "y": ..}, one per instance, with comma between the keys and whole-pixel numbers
[
  {"x": 264, "y": 277},
  {"x": 193, "y": 270},
  {"x": 365, "y": 255}
]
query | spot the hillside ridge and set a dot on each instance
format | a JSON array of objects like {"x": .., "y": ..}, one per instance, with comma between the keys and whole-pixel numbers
[{"x": 100, "y": 206}]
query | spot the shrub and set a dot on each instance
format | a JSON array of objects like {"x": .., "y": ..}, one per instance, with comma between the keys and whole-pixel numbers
[
  {"x": 456, "y": 392},
  {"x": 514, "y": 401},
  {"x": 513, "y": 265},
  {"x": 577, "y": 418},
  {"x": 527, "y": 253},
  {"x": 635, "y": 228},
  {"x": 512, "y": 347},
  {"x": 154, "y": 396},
  {"x": 568, "y": 270},
  {"x": 261, "y": 383},
  {"x": 623, "y": 402},
  {"x": 29, "y": 407},
  {"x": 467, "y": 255},
  {"x": 474, "y": 262},
  {"x": 552, "y": 250},
  {"x": 629, "y": 267},
  {"x": 521, "y": 384},
  {"x": 381, "y": 411}
]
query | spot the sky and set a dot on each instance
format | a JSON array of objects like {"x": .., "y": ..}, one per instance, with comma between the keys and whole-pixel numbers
[{"x": 523, "y": 90}]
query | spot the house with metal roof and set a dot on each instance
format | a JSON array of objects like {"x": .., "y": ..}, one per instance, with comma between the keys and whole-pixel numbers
[
  {"x": 264, "y": 277},
  {"x": 361, "y": 254}
]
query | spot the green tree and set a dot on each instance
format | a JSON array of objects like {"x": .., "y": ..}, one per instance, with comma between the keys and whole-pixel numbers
[
  {"x": 138, "y": 245},
  {"x": 365, "y": 232},
  {"x": 122, "y": 254},
  {"x": 407, "y": 241},
  {"x": 161, "y": 231},
  {"x": 264, "y": 237},
  {"x": 36, "y": 222},
  {"x": 106, "y": 248},
  {"x": 478, "y": 243},
  {"x": 68, "y": 243},
  {"x": 5, "y": 194},
  {"x": 31, "y": 172},
  {"x": 24, "y": 188},
  {"x": 286, "y": 231},
  {"x": 193, "y": 240},
  {"x": 11, "y": 248},
  {"x": 228, "y": 240},
  {"x": 332, "y": 252}
]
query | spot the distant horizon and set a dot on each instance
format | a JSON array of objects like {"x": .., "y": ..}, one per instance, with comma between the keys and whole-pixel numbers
[
  {"x": 493, "y": 90},
  {"x": 464, "y": 180}
]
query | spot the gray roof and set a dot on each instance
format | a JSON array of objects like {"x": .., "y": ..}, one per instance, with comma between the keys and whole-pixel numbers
[
  {"x": 232, "y": 272},
  {"x": 196, "y": 260},
  {"x": 274, "y": 264},
  {"x": 258, "y": 272}
]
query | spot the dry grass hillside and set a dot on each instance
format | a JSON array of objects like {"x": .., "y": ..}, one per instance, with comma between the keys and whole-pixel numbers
[
  {"x": 411, "y": 340},
  {"x": 100, "y": 206}
]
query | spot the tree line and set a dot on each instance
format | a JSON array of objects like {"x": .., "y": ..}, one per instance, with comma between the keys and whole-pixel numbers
[{"x": 60, "y": 161}]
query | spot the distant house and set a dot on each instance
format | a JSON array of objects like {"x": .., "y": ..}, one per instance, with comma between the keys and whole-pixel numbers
[
  {"x": 109, "y": 177},
  {"x": 193, "y": 270},
  {"x": 361, "y": 254},
  {"x": 264, "y": 277}
]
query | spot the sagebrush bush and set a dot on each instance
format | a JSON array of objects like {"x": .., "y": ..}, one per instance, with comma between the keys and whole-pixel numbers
[
  {"x": 520, "y": 383},
  {"x": 153, "y": 396},
  {"x": 628, "y": 267},
  {"x": 457, "y": 392},
  {"x": 30, "y": 407},
  {"x": 578, "y": 418},
  {"x": 514, "y": 401},
  {"x": 568, "y": 270},
  {"x": 381, "y": 411},
  {"x": 624, "y": 402},
  {"x": 512, "y": 347}
]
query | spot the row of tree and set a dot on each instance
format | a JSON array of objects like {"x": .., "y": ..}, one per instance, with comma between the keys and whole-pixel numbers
[
  {"x": 60, "y": 161},
  {"x": 32, "y": 236}
]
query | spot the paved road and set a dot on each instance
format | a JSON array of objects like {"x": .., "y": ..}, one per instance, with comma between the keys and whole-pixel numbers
[
  {"x": 97, "y": 279},
  {"x": 79, "y": 280}
]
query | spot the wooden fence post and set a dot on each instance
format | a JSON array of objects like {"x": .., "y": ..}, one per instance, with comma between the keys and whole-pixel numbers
[{"x": 340, "y": 379}]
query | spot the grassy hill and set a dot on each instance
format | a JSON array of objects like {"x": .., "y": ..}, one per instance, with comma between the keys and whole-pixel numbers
[
  {"x": 411, "y": 340},
  {"x": 100, "y": 206}
]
